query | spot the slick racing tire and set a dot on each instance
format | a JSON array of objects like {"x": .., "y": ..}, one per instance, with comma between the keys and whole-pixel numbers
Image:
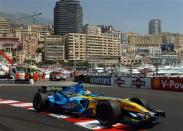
[
  {"x": 108, "y": 112},
  {"x": 140, "y": 101},
  {"x": 40, "y": 101}
]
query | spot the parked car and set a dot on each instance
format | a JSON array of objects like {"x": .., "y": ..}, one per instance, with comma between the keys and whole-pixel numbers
[
  {"x": 56, "y": 75},
  {"x": 2, "y": 74}
]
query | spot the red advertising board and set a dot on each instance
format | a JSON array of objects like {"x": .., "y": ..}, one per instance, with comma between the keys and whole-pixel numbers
[{"x": 170, "y": 84}]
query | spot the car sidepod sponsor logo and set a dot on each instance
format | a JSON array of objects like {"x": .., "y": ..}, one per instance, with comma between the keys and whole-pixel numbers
[{"x": 70, "y": 105}]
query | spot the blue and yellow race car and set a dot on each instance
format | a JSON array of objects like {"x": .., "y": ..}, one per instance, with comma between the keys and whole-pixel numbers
[{"x": 107, "y": 110}]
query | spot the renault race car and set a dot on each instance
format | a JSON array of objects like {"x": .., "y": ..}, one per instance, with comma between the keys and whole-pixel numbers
[{"x": 107, "y": 110}]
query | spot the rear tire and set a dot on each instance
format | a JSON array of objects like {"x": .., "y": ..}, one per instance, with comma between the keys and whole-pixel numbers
[
  {"x": 108, "y": 112},
  {"x": 40, "y": 101}
]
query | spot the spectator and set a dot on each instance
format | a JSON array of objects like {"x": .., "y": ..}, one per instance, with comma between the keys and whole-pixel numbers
[
  {"x": 36, "y": 76},
  {"x": 27, "y": 76},
  {"x": 17, "y": 76},
  {"x": 43, "y": 76}
]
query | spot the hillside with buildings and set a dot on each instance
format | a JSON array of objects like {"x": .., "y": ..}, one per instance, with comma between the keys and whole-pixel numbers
[{"x": 69, "y": 41}]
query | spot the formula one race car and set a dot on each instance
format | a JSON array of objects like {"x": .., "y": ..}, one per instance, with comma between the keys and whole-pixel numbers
[{"x": 107, "y": 110}]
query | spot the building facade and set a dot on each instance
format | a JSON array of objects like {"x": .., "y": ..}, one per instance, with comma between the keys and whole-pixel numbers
[
  {"x": 4, "y": 27},
  {"x": 10, "y": 45},
  {"x": 155, "y": 27},
  {"x": 103, "y": 49},
  {"x": 92, "y": 48},
  {"x": 146, "y": 41},
  {"x": 4, "y": 22},
  {"x": 55, "y": 48},
  {"x": 68, "y": 17},
  {"x": 91, "y": 30},
  {"x": 21, "y": 56},
  {"x": 75, "y": 47},
  {"x": 30, "y": 44},
  {"x": 41, "y": 30},
  {"x": 20, "y": 32}
]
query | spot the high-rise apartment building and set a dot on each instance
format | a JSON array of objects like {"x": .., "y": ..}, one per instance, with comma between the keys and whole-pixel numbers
[
  {"x": 102, "y": 49},
  {"x": 41, "y": 30},
  {"x": 4, "y": 23},
  {"x": 68, "y": 17},
  {"x": 155, "y": 27},
  {"x": 4, "y": 27},
  {"x": 55, "y": 48},
  {"x": 30, "y": 43},
  {"x": 75, "y": 47}
]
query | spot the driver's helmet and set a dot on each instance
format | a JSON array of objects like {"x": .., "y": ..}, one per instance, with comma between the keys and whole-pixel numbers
[{"x": 87, "y": 92}]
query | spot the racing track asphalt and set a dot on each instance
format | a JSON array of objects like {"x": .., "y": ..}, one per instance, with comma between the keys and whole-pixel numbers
[{"x": 16, "y": 119}]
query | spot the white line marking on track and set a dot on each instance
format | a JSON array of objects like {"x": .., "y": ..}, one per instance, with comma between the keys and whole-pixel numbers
[
  {"x": 31, "y": 108},
  {"x": 92, "y": 125},
  {"x": 22, "y": 104},
  {"x": 59, "y": 116},
  {"x": 8, "y": 102}
]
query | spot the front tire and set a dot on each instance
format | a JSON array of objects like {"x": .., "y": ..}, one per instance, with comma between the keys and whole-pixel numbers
[
  {"x": 108, "y": 112},
  {"x": 40, "y": 101}
]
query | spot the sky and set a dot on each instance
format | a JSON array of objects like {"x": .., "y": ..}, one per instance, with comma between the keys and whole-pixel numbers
[{"x": 124, "y": 15}]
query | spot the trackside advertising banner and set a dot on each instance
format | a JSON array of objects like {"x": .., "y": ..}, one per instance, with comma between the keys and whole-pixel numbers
[
  {"x": 101, "y": 80},
  {"x": 134, "y": 82},
  {"x": 170, "y": 84},
  {"x": 119, "y": 81}
]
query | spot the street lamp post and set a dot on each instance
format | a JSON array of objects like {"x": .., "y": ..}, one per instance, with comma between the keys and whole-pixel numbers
[
  {"x": 133, "y": 61},
  {"x": 75, "y": 63}
]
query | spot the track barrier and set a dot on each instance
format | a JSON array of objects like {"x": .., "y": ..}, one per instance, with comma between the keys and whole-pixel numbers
[
  {"x": 154, "y": 83},
  {"x": 169, "y": 84}
]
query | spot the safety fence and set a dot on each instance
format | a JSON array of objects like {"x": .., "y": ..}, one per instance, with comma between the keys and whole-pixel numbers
[
  {"x": 9, "y": 81},
  {"x": 13, "y": 81},
  {"x": 156, "y": 83}
]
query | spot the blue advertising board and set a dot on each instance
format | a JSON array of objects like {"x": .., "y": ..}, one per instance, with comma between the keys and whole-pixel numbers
[{"x": 102, "y": 80}]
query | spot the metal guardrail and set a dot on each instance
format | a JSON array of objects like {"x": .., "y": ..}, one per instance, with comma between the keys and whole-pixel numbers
[{"x": 7, "y": 81}]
